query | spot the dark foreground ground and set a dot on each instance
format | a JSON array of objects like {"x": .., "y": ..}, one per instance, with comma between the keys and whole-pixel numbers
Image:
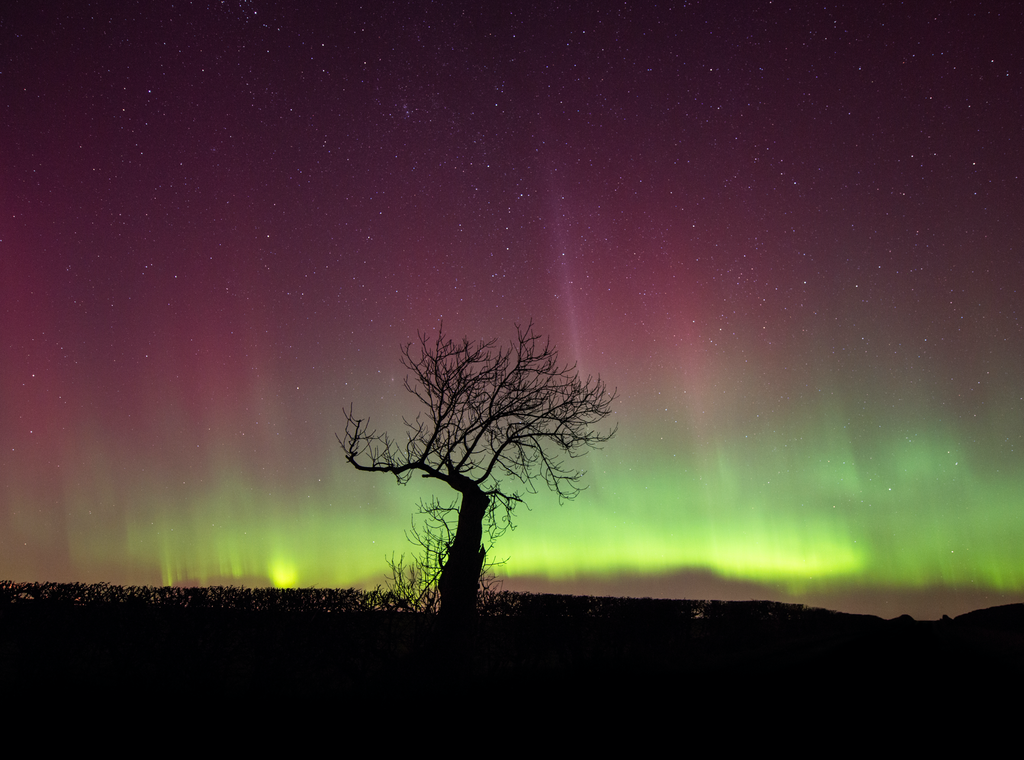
[{"x": 262, "y": 646}]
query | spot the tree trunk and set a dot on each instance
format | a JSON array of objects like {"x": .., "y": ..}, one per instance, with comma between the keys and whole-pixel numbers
[{"x": 460, "y": 577}]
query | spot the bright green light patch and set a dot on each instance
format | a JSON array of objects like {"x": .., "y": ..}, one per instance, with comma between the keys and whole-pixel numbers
[
  {"x": 229, "y": 530},
  {"x": 584, "y": 538},
  {"x": 283, "y": 574},
  {"x": 797, "y": 512}
]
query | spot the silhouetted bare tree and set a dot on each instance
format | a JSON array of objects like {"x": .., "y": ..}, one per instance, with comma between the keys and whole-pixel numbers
[{"x": 492, "y": 414}]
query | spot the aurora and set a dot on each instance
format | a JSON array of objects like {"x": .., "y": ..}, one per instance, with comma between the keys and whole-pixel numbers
[{"x": 790, "y": 240}]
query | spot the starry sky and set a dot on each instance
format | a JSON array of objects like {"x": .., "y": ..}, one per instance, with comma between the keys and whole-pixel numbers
[{"x": 790, "y": 234}]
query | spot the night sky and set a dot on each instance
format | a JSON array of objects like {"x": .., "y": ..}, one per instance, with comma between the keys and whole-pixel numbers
[{"x": 790, "y": 234}]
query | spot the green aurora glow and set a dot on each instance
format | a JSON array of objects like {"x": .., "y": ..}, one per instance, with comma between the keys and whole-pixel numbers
[{"x": 795, "y": 513}]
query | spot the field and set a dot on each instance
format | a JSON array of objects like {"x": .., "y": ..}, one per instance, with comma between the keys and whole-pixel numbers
[{"x": 261, "y": 644}]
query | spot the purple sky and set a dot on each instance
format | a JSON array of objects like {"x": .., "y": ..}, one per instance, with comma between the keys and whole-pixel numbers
[{"x": 789, "y": 234}]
